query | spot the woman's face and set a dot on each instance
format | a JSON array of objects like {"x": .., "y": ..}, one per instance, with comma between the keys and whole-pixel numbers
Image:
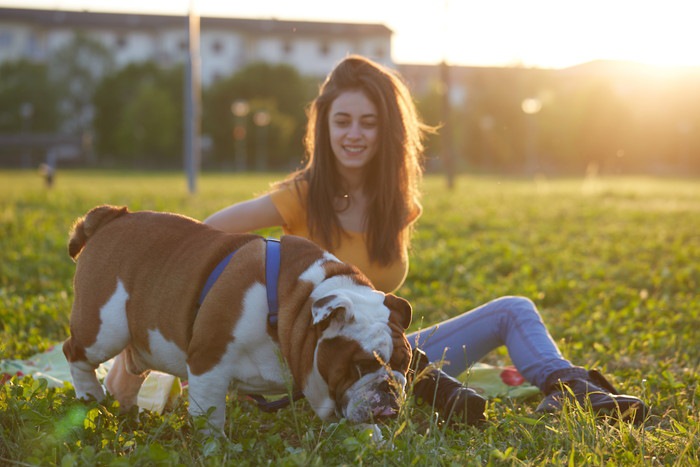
[{"x": 354, "y": 130}]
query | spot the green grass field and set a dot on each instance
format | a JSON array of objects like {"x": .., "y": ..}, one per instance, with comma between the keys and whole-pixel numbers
[{"x": 613, "y": 264}]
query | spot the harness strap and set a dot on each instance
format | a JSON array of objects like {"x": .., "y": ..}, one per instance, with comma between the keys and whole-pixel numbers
[
  {"x": 214, "y": 276},
  {"x": 272, "y": 273},
  {"x": 273, "y": 406}
]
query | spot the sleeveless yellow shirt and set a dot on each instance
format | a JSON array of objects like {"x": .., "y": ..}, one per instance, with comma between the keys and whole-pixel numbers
[{"x": 291, "y": 204}]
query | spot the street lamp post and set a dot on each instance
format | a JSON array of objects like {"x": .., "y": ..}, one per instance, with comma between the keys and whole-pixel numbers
[
  {"x": 192, "y": 98},
  {"x": 261, "y": 119},
  {"x": 446, "y": 131},
  {"x": 446, "y": 108},
  {"x": 26, "y": 111},
  {"x": 531, "y": 107},
  {"x": 240, "y": 109}
]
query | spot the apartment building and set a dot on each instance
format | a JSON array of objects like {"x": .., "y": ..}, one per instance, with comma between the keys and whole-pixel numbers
[{"x": 226, "y": 44}]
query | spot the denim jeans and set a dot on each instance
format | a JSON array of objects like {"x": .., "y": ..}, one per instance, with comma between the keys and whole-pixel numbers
[{"x": 510, "y": 321}]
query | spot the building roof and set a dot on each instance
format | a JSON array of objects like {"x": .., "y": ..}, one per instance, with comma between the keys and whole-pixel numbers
[{"x": 77, "y": 19}]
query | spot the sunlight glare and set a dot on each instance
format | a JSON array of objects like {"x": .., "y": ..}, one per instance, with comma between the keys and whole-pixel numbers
[{"x": 536, "y": 33}]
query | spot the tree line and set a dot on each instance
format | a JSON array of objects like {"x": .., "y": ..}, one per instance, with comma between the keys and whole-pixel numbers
[
  {"x": 612, "y": 118},
  {"x": 607, "y": 117},
  {"x": 134, "y": 114}
]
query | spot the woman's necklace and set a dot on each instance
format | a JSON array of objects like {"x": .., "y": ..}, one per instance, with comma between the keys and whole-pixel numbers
[{"x": 343, "y": 202}]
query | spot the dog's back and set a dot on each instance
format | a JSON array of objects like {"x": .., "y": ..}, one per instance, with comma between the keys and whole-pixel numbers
[{"x": 146, "y": 263}]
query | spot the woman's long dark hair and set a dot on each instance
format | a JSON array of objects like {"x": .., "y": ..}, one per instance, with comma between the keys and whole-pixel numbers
[{"x": 393, "y": 175}]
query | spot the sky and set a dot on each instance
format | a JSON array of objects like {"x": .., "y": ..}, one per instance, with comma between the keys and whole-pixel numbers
[{"x": 531, "y": 33}]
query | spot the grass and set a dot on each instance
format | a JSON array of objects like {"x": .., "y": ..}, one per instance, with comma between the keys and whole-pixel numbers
[{"x": 613, "y": 264}]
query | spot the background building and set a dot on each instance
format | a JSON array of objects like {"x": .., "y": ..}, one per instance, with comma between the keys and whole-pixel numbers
[
  {"x": 226, "y": 44},
  {"x": 106, "y": 88}
]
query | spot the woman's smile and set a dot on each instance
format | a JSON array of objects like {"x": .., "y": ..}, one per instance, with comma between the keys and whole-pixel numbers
[{"x": 354, "y": 129}]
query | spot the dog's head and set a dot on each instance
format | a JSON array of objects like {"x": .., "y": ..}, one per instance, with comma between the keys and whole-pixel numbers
[{"x": 362, "y": 357}]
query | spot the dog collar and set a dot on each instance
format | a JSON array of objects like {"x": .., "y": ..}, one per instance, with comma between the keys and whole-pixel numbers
[{"x": 272, "y": 272}]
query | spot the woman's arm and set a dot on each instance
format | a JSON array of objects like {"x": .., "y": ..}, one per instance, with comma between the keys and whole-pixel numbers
[{"x": 246, "y": 216}]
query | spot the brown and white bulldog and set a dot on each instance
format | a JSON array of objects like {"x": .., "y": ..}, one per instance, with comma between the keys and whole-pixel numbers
[{"x": 137, "y": 286}]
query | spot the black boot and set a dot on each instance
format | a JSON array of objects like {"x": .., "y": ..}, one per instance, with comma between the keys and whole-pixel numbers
[
  {"x": 590, "y": 388},
  {"x": 451, "y": 399}
]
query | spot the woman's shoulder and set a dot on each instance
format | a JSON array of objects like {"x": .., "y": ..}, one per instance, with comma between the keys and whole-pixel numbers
[
  {"x": 289, "y": 197},
  {"x": 291, "y": 186}
]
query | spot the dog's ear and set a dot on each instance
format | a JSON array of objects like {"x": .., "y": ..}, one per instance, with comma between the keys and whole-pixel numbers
[
  {"x": 400, "y": 307},
  {"x": 331, "y": 306}
]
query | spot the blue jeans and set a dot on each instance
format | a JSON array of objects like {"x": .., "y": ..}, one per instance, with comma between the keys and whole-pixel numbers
[{"x": 510, "y": 321}]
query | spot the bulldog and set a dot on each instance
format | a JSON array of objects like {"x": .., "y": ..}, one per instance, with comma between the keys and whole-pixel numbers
[{"x": 144, "y": 288}]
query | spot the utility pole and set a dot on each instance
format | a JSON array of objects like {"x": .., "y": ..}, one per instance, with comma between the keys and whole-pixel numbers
[
  {"x": 192, "y": 96},
  {"x": 445, "y": 87},
  {"x": 446, "y": 130}
]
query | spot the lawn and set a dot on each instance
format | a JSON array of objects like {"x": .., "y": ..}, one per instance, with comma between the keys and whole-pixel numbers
[{"x": 612, "y": 263}]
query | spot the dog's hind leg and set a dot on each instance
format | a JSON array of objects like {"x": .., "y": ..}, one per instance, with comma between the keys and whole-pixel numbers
[
  {"x": 82, "y": 371},
  {"x": 96, "y": 339}
]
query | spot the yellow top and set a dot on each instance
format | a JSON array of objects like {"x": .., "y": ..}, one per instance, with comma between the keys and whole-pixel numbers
[{"x": 291, "y": 205}]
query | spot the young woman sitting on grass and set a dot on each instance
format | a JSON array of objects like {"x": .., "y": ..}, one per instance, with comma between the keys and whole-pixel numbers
[{"x": 358, "y": 197}]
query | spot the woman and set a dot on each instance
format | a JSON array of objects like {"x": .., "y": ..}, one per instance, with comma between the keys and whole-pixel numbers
[{"x": 358, "y": 197}]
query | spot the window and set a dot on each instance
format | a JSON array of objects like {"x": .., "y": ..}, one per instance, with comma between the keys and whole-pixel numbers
[
  {"x": 217, "y": 46},
  {"x": 324, "y": 49},
  {"x": 5, "y": 39}
]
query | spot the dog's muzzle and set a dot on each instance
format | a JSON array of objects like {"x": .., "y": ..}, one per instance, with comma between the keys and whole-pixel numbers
[{"x": 374, "y": 396}]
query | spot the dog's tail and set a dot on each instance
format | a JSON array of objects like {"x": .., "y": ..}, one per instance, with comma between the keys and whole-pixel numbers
[{"x": 86, "y": 226}]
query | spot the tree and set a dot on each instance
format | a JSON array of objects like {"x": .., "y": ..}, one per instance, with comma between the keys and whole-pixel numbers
[
  {"x": 138, "y": 115},
  {"x": 148, "y": 129},
  {"x": 28, "y": 100},
  {"x": 76, "y": 69},
  {"x": 277, "y": 89}
]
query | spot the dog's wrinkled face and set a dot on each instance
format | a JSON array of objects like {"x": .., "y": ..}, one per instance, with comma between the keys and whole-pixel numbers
[{"x": 362, "y": 357}]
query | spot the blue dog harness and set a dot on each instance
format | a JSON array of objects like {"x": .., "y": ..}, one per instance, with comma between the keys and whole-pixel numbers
[
  {"x": 214, "y": 276},
  {"x": 272, "y": 272}
]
